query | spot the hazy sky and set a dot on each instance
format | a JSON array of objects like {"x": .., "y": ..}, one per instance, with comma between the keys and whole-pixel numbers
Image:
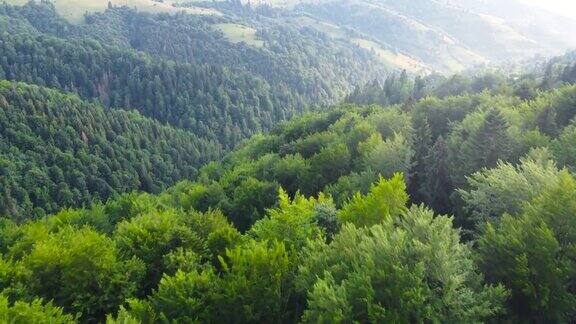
[{"x": 565, "y": 7}]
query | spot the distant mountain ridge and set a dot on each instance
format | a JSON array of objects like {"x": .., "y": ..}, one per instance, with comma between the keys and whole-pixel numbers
[
  {"x": 420, "y": 36},
  {"x": 448, "y": 35}
]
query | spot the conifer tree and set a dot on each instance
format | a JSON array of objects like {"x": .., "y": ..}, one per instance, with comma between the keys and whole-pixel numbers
[
  {"x": 491, "y": 142},
  {"x": 422, "y": 142},
  {"x": 437, "y": 185}
]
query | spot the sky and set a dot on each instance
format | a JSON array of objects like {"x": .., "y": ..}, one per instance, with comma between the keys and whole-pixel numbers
[{"x": 564, "y": 7}]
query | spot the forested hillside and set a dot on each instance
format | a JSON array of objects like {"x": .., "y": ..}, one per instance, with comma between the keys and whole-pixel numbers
[
  {"x": 211, "y": 101},
  {"x": 203, "y": 77},
  {"x": 58, "y": 151},
  {"x": 177, "y": 70},
  {"x": 332, "y": 217}
]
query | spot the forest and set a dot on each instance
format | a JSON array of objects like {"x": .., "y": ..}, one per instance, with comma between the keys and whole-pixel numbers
[
  {"x": 166, "y": 176},
  {"x": 447, "y": 209},
  {"x": 57, "y": 150}
]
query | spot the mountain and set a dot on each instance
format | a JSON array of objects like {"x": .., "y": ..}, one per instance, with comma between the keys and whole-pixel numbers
[
  {"x": 449, "y": 35},
  {"x": 182, "y": 71},
  {"x": 419, "y": 36}
]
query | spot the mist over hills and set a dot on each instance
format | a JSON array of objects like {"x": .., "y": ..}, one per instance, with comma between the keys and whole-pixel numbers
[
  {"x": 451, "y": 35},
  {"x": 419, "y": 36}
]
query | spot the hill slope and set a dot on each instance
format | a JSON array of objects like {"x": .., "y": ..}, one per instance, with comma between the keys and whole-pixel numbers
[
  {"x": 420, "y": 36},
  {"x": 181, "y": 71},
  {"x": 449, "y": 35},
  {"x": 58, "y": 151}
]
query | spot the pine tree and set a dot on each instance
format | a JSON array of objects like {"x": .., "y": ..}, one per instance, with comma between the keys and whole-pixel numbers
[
  {"x": 422, "y": 142},
  {"x": 419, "y": 90},
  {"x": 547, "y": 122},
  {"x": 437, "y": 185},
  {"x": 491, "y": 143}
]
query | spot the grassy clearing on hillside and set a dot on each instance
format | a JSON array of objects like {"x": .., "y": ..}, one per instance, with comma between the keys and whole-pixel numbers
[
  {"x": 397, "y": 60},
  {"x": 74, "y": 10},
  {"x": 16, "y": 2},
  {"x": 236, "y": 33},
  {"x": 325, "y": 27}
]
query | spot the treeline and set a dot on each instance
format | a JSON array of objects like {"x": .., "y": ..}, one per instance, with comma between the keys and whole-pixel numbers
[
  {"x": 332, "y": 217},
  {"x": 401, "y": 88},
  {"x": 59, "y": 151},
  {"x": 533, "y": 78}
]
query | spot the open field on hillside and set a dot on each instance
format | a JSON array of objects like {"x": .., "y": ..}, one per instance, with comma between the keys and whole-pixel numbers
[
  {"x": 74, "y": 10},
  {"x": 236, "y": 33},
  {"x": 397, "y": 60}
]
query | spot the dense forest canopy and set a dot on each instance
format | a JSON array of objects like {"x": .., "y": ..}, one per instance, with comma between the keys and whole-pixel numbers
[
  {"x": 252, "y": 167},
  {"x": 59, "y": 151},
  {"x": 332, "y": 217}
]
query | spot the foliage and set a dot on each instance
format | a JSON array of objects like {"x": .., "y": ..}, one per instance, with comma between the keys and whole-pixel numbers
[
  {"x": 58, "y": 151},
  {"x": 32, "y": 313},
  {"x": 506, "y": 188},
  {"x": 409, "y": 267},
  {"x": 534, "y": 253},
  {"x": 80, "y": 270},
  {"x": 385, "y": 201}
]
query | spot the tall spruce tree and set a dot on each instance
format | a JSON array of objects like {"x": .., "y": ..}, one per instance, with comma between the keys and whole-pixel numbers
[
  {"x": 437, "y": 185},
  {"x": 422, "y": 142},
  {"x": 492, "y": 141}
]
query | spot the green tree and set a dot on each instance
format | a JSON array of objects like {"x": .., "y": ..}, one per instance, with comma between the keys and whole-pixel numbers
[
  {"x": 422, "y": 139},
  {"x": 532, "y": 254},
  {"x": 411, "y": 267},
  {"x": 491, "y": 143},
  {"x": 504, "y": 189},
  {"x": 387, "y": 199},
  {"x": 152, "y": 236},
  {"x": 81, "y": 271},
  {"x": 479, "y": 141},
  {"x": 292, "y": 223},
  {"x": 437, "y": 186},
  {"x": 35, "y": 312},
  {"x": 258, "y": 283},
  {"x": 390, "y": 156}
]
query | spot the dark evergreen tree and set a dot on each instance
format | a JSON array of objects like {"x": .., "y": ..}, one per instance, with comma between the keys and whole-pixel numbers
[
  {"x": 491, "y": 142},
  {"x": 422, "y": 141},
  {"x": 437, "y": 186},
  {"x": 547, "y": 122}
]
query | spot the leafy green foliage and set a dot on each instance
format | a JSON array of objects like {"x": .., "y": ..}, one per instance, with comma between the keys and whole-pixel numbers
[
  {"x": 150, "y": 237},
  {"x": 385, "y": 201},
  {"x": 533, "y": 252},
  {"x": 409, "y": 267},
  {"x": 81, "y": 271},
  {"x": 506, "y": 188},
  {"x": 32, "y": 313}
]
